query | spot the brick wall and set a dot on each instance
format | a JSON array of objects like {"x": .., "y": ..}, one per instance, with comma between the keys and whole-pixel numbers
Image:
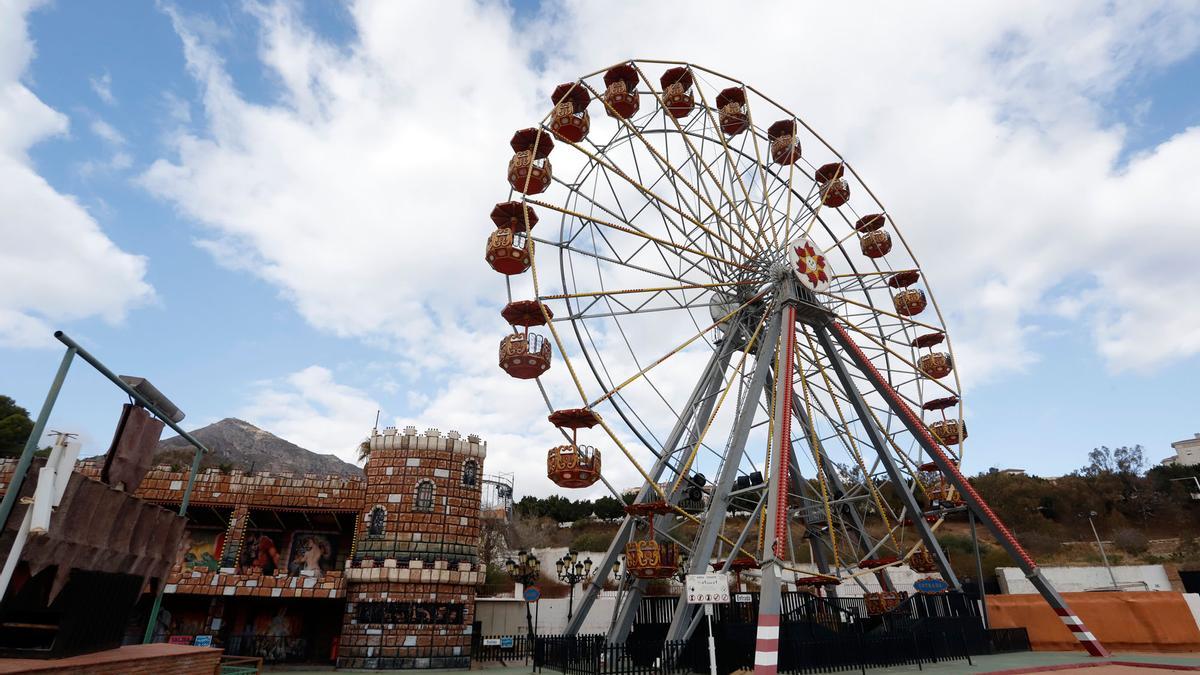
[
  {"x": 155, "y": 659},
  {"x": 412, "y": 576}
]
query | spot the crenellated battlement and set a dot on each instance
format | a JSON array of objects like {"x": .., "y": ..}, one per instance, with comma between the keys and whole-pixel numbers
[{"x": 408, "y": 439}]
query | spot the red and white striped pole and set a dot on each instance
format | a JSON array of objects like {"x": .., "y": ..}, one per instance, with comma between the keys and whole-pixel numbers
[{"x": 766, "y": 644}]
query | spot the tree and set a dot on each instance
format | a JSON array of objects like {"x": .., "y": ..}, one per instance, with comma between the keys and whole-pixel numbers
[
  {"x": 1123, "y": 461},
  {"x": 15, "y": 427}
]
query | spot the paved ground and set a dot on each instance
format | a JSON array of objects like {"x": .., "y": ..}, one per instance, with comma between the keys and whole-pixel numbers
[{"x": 1009, "y": 663}]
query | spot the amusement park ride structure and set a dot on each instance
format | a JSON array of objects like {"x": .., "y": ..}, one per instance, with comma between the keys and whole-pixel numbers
[{"x": 695, "y": 243}]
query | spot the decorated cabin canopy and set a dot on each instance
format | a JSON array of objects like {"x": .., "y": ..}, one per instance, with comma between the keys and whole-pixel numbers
[
  {"x": 873, "y": 563},
  {"x": 514, "y": 216},
  {"x": 620, "y": 92},
  {"x": 573, "y": 465},
  {"x": 835, "y": 191},
  {"x": 785, "y": 149},
  {"x": 939, "y": 404},
  {"x": 731, "y": 106},
  {"x": 524, "y": 355},
  {"x": 677, "y": 92},
  {"x": 870, "y": 223},
  {"x": 529, "y": 170},
  {"x": 526, "y": 313},
  {"x": 928, "y": 340},
  {"x": 904, "y": 279},
  {"x": 569, "y": 120}
]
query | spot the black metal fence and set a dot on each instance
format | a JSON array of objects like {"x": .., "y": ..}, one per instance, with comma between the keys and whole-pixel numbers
[
  {"x": 501, "y": 648},
  {"x": 270, "y": 649},
  {"x": 816, "y": 635},
  {"x": 591, "y": 655}
]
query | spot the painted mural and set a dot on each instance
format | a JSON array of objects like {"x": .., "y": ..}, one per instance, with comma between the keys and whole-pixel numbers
[
  {"x": 261, "y": 551},
  {"x": 200, "y": 549},
  {"x": 312, "y": 553}
]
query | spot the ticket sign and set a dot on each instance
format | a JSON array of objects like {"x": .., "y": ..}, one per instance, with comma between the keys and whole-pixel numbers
[
  {"x": 707, "y": 588},
  {"x": 930, "y": 585}
]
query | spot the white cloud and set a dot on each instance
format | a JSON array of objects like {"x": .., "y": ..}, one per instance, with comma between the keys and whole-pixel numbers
[
  {"x": 102, "y": 85},
  {"x": 107, "y": 133},
  {"x": 361, "y": 189},
  {"x": 55, "y": 262},
  {"x": 313, "y": 411}
]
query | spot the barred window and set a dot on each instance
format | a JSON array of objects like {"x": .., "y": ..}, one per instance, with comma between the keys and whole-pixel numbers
[
  {"x": 424, "y": 496},
  {"x": 377, "y": 521},
  {"x": 470, "y": 472}
]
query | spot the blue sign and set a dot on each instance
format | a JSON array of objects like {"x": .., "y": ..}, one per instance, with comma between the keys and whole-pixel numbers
[
  {"x": 930, "y": 586},
  {"x": 506, "y": 642},
  {"x": 532, "y": 594},
  {"x": 203, "y": 641}
]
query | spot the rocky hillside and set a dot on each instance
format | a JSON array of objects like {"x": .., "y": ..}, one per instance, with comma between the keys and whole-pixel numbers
[{"x": 237, "y": 444}]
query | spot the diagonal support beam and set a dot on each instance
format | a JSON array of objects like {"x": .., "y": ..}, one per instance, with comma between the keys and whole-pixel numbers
[
  {"x": 889, "y": 463},
  {"x": 718, "y": 506},
  {"x": 709, "y": 383},
  {"x": 973, "y": 499}
]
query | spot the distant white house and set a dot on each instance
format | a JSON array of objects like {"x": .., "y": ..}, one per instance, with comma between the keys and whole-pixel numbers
[{"x": 1187, "y": 452}]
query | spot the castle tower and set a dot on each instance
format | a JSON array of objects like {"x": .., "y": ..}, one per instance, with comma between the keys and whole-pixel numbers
[{"x": 411, "y": 577}]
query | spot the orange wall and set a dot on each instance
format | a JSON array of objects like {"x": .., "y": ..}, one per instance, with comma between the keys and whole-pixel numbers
[{"x": 1148, "y": 622}]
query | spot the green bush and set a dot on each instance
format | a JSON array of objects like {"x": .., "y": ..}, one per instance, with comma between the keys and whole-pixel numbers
[
  {"x": 592, "y": 541},
  {"x": 1131, "y": 541}
]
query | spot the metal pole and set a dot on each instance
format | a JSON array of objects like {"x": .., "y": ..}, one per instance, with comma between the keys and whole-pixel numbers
[
  {"x": 39, "y": 428},
  {"x": 979, "y": 569},
  {"x": 1103, "y": 555},
  {"x": 712, "y": 643}
]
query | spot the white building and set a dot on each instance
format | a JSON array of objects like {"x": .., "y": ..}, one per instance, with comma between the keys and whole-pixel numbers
[{"x": 1187, "y": 452}]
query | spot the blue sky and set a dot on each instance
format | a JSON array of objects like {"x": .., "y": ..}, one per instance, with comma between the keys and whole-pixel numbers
[{"x": 1065, "y": 357}]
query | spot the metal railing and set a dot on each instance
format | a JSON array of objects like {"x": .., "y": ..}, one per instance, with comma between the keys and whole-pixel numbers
[
  {"x": 240, "y": 665},
  {"x": 270, "y": 649}
]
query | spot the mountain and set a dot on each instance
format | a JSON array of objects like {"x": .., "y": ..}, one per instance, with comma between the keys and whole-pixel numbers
[{"x": 238, "y": 444}]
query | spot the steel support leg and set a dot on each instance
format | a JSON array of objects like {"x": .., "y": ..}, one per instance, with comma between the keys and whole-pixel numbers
[
  {"x": 876, "y": 436},
  {"x": 718, "y": 505},
  {"x": 710, "y": 381},
  {"x": 766, "y": 645},
  {"x": 973, "y": 499}
]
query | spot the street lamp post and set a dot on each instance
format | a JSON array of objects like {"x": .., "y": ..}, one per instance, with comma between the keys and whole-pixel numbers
[
  {"x": 525, "y": 570},
  {"x": 571, "y": 571},
  {"x": 1103, "y": 555}
]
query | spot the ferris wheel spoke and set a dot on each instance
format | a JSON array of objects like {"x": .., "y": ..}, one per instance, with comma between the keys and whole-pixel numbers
[
  {"x": 658, "y": 156},
  {"x": 729, "y": 158},
  {"x": 641, "y": 188},
  {"x": 634, "y": 232},
  {"x": 675, "y": 350},
  {"x": 624, "y": 291},
  {"x": 615, "y": 261}
]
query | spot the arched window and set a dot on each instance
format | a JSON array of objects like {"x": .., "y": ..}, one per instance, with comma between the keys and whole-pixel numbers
[
  {"x": 470, "y": 472},
  {"x": 424, "y": 496},
  {"x": 376, "y": 522}
]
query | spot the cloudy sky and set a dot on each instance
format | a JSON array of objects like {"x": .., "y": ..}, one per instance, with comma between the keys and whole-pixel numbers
[{"x": 276, "y": 211}]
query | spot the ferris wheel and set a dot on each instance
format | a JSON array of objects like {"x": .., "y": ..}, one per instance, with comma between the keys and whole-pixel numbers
[{"x": 731, "y": 312}]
